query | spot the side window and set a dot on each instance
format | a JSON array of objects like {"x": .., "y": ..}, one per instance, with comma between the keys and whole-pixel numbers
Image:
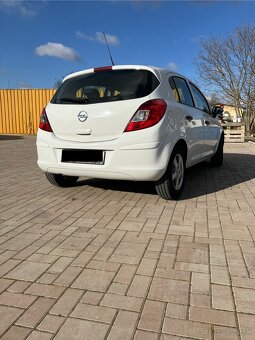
[
  {"x": 183, "y": 91},
  {"x": 174, "y": 90},
  {"x": 200, "y": 101}
]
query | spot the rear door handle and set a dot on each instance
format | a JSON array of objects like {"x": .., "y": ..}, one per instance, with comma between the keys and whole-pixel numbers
[
  {"x": 207, "y": 122},
  {"x": 189, "y": 118}
]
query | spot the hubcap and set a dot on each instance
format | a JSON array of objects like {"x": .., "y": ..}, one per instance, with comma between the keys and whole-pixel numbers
[{"x": 177, "y": 172}]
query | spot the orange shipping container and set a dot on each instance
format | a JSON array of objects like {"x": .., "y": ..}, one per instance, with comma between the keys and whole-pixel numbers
[{"x": 20, "y": 110}]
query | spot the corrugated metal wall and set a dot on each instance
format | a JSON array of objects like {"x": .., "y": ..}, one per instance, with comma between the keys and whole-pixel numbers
[{"x": 20, "y": 110}]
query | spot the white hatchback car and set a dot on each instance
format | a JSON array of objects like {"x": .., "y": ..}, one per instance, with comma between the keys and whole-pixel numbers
[{"x": 128, "y": 123}]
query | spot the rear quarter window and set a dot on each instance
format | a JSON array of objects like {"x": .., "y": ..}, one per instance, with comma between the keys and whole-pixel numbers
[{"x": 106, "y": 86}]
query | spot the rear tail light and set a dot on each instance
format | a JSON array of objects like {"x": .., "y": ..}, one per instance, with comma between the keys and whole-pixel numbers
[
  {"x": 147, "y": 115},
  {"x": 44, "y": 122}
]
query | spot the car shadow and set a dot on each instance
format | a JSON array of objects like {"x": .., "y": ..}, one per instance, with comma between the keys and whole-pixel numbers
[
  {"x": 10, "y": 137},
  {"x": 201, "y": 179}
]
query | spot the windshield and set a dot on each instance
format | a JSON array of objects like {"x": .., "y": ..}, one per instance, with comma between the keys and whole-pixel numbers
[{"x": 106, "y": 86}]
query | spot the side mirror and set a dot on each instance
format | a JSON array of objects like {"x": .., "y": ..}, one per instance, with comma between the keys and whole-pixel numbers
[{"x": 217, "y": 111}]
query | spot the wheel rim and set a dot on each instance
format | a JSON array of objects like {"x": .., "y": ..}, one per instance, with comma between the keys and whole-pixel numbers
[{"x": 177, "y": 172}]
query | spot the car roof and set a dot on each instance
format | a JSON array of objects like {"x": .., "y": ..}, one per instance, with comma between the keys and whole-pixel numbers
[{"x": 158, "y": 71}]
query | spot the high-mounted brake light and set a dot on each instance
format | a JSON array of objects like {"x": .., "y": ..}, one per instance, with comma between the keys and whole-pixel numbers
[
  {"x": 44, "y": 122},
  {"x": 147, "y": 115},
  {"x": 104, "y": 68}
]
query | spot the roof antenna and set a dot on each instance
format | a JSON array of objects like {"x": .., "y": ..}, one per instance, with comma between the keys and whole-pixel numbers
[{"x": 108, "y": 49}]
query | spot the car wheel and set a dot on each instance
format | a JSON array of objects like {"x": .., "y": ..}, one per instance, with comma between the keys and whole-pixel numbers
[
  {"x": 171, "y": 183},
  {"x": 61, "y": 180},
  {"x": 217, "y": 158}
]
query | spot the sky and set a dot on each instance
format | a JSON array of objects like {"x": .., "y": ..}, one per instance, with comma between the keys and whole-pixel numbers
[{"x": 42, "y": 41}]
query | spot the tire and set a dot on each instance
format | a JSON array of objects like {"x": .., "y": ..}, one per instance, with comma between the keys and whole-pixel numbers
[
  {"x": 171, "y": 183},
  {"x": 217, "y": 158},
  {"x": 61, "y": 180}
]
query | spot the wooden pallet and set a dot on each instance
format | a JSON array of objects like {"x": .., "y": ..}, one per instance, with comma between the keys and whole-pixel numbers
[{"x": 234, "y": 132}]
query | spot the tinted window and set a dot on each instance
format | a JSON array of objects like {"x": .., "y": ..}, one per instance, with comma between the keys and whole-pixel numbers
[
  {"x": 200, "y": 101},
  {"x": 183, "y": 91},
  {"x": 106, "y": 86}
]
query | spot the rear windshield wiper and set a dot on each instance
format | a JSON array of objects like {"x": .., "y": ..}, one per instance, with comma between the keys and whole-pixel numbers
[{"x": 74, "y": 100}]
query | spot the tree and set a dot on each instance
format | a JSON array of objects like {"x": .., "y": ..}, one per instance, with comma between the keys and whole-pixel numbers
[{"x": 227, "y": 66}]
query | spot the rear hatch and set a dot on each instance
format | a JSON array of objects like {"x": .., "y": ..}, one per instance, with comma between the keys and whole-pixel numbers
[{"x": 96, "y": 106}]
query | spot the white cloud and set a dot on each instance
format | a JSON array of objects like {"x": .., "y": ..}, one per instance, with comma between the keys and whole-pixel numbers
[
  {"x": 57, "y": 50},
  {"x": 99, "y": 37},
  {"x": 25, "y": 8},
  {"x": 172, "y": 66},
  {"x": 23, "y": 85}
]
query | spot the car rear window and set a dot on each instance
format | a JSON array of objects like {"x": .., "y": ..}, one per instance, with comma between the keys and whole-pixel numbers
[{"x": 106, "y": 86}]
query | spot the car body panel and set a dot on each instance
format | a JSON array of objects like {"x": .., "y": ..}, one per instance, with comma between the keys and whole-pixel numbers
[{"x": 137, "y": 155}]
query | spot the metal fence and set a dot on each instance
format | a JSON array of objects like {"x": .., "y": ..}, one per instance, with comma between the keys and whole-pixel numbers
[{"x": 20, "y": 110}]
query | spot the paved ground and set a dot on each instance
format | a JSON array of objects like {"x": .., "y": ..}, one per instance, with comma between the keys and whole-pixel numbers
[{"x": 110, "y": 260}]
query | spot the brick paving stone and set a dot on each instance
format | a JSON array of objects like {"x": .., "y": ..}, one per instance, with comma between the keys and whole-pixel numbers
[
  {"x": 119, "y": 288},
  {"x": 83, "y": 259},
  {"x": 94, "y": 313},
  {"x": 36, "y": 312},
  {"x": 7, "y": 266},
  {"x": 200, "y": 300},
  {"x": 200, "y": 283},
  {"x": 147, "y": 267},
  {"x": 36, "y": 335},
  {"x": 222, "y": 297},
  {"x": 219, "y": 275},
  {"x": 82, "y": 330},
  {"x": 139, "y": 286},
  {"x": 144, "y": 335},
  {"x": 125, "y": 274},
  {"x": 4, "y": 284},
  {"x": 16, "y": 300},
  {"x": 92, "y": 298},
  {"x": 51, "y": 323},
  {"x": 245, "y": 300},
  {"x": 17, "y": 333},
  {"x": 213, "y": 316},
  {"x": 124, "y": 326},
  {"x": 169, "y": 290},
  {"x": 225, "y": 333},
  {"x": 19, "y": 287},
  {"x": 246, "y": 324},
  {"x": 68, "y": 276},
  {"x": 192, "y": 255},
  {"x": 122, "y": 302},
  {"x": 45, "y": 290},
  {"x": 102, "y": 265},
  {"x": 151, "y": 317},
  {"x": 8, "y": 315},
  {"x": 28, "y": 271},
  {"x": 97, "y": 280},
  {"x": 66, "y": 302},
  {"x": 187, "y": 328},
  {"x": 243, "y": 282},
  {"x": 176, "y": 311}
]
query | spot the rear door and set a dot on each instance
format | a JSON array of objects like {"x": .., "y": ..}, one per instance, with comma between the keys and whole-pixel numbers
[
  {"x": 97, "y": 106},
  {"x": 211, "y": 126},
  {"x": 192, "y": 118}
]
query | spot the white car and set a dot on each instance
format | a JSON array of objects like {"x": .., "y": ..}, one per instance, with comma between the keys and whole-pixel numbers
[{"x": 128, "y": 122}]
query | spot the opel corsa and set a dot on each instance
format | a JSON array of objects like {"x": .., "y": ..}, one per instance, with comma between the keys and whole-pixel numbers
[{"x": 128, "y": 122}]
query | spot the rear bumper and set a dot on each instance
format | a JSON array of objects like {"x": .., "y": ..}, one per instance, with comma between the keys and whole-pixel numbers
[{"x": 141, "y": 162}]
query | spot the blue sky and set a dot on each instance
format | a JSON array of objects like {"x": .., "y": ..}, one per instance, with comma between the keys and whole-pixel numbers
[{"x": 40, "y": 41}]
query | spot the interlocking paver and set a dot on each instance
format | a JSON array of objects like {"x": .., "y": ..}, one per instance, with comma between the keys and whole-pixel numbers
[
  {"x": 82, "y": 330},
  {"x": 107, "y": 260}
]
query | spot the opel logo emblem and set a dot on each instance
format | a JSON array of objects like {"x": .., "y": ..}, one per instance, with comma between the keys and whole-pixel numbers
[{"x": 82, "y": 116}]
